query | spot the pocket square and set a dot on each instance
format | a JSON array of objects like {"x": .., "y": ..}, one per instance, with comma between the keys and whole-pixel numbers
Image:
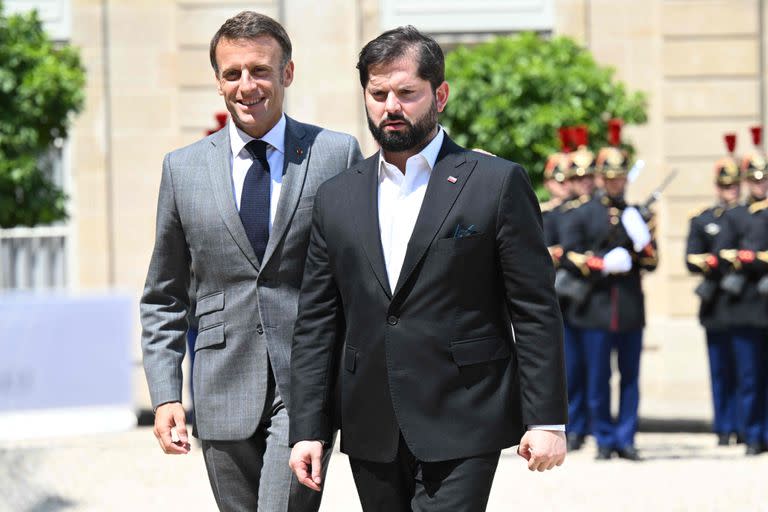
[{"x": 461, "y": 232}]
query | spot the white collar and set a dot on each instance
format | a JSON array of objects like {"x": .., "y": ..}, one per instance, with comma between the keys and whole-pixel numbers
[
  {"x": 429, "y": 153},
  {"x": 274, "y": 137}
]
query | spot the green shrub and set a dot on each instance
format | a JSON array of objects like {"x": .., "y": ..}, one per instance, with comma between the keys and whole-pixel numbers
[
  {"x": 510, "y": 95},
  {"x": 41, "y": 87}
]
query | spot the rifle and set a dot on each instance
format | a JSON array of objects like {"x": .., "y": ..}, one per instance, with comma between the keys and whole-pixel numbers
[{"x": 645, "y": 206}]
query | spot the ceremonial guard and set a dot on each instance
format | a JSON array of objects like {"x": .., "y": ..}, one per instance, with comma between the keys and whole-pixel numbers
[
  {"x": 738, "y": 253},
  {"x": 607, "y": 243},
  {"x": 579, "y": 172},
  {"x": 715, "y": 309}
]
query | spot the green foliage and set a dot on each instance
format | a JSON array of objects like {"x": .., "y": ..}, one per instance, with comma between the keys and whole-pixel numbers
[
  {"x": 510, "y": 95},
  {"x": 41, "y": 86}
]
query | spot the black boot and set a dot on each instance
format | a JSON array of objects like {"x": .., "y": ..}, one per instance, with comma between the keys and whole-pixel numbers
[
  {"x": 754, "y": 449},
  {"x": 723, "y": 439},
  {"x": 604, "y": 453},
  {"x": 629, "y": 453},
  {"x": 575, "y": 441}
]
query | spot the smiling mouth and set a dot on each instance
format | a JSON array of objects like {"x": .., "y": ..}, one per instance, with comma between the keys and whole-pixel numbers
[{"x": 251, "y": 103}]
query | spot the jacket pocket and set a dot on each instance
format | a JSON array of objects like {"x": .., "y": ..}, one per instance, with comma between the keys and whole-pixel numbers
[
  {"x": 210, "y": 337},
  {"x": 350, "y": 359},
  {"x": 460, "y": 244},
  {"x": 210, "y": 303},
  {"x": 479, "y": 350},
  {"x": 306, "y": 202}
]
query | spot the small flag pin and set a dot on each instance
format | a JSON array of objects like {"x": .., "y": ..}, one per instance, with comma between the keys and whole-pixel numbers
[
  {"x": 299, "y": 151},
  {"x": 451, "y": 179}
]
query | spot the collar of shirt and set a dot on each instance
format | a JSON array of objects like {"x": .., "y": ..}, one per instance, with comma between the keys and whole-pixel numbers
[
  {"x": 427, "y": 156},
  {"x": 274, "y": 137}
]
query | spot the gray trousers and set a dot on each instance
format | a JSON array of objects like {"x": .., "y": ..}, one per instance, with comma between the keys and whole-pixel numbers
[{"x": 253, "y": 474}]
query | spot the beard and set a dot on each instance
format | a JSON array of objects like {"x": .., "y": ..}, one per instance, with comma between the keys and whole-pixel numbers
[{"x": 414, "y": 135}]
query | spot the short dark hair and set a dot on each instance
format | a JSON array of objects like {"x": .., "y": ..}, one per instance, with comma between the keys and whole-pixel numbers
[
  {"x": 251, "y": 25},
  {"x": 396, "y": 43}
]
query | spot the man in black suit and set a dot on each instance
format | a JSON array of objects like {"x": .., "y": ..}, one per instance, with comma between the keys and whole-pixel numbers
[{"x": 427, "y": 268}]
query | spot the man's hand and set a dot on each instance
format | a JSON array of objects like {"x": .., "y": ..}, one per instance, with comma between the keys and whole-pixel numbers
[
  {"x": 171, "y": 416},
  {"x": 306, "y": 463},
  {"x": 543, "y": 449}
]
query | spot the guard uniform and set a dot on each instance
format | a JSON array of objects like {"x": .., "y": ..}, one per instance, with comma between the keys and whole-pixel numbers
[
  {"x": 612, "y": 315},
  {"x": 748, "y": 307},
  {"x": 715, "y": 307}
]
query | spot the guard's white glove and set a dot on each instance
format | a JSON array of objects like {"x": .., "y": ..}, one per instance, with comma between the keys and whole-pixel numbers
[
  {"x": 636, "y": 228},
  {"x": 617, "y": 261}
]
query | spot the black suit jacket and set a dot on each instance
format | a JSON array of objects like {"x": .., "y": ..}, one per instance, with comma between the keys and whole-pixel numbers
[{"x": 435, "y": 358}]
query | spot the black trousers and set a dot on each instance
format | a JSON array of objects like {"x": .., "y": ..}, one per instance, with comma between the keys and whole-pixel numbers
[{"x": 408, "y": 484}]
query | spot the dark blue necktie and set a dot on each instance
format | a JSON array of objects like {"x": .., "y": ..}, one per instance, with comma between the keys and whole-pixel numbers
[{"x": 254, "y": 201}]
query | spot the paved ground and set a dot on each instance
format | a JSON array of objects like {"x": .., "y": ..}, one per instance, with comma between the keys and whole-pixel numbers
[{"x": 127, "y": 472}]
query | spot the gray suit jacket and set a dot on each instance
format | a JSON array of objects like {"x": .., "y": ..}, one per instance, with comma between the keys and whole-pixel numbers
[{"x": 246, "y": 308}]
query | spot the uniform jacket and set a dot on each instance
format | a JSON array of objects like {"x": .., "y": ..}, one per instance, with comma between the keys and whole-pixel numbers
[
  {"x": 742, "y": 228},
  {"x": 704, "y": 229},
  {"x": 616, "y": 301}
]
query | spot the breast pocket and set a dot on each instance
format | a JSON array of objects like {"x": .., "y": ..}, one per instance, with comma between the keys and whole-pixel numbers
[
  {"x": 306, "y": 202},
  {"x": 462, "y": 244}
]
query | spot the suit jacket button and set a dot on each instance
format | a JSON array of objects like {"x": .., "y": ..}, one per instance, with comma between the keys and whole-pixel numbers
[
  {"x": 392, "y": 320},
  {"x": 260, "y": 329}
]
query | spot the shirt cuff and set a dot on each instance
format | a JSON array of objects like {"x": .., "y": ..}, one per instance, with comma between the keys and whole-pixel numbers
[{"x": 560, "y": 428}]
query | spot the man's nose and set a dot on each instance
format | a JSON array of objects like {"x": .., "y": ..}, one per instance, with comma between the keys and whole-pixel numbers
[
  {"x": 247, "y": 82},
  {"x": 392, "y": 105}
]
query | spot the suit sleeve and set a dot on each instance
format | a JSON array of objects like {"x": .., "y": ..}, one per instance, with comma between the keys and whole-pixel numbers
[
  {"x": 575, "y": 243},
  {"x": 165, "y": 301},
  {"x": 697, "y": 251},
  {"x": 528, "y": 277},
  {"x": 316, "y": 331},
  {"x": 727, "y": 243}
]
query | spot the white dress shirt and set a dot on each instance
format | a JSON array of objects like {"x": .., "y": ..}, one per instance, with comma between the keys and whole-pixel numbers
[
  {"x": 400, "y": 199},
  {"x": 241, "y": 162}
]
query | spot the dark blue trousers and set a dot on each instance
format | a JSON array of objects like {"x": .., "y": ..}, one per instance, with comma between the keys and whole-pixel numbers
[
  {"x": 599, "y": 345},
  {"x": 576, "y": 372},
  {"x": 749, "y": 346},
  {"x": 722, "y": 373}
]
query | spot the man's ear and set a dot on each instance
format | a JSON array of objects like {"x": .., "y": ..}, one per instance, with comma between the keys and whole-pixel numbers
[
  {"x": 441, "y": 96},
  {"x": 287, "y": 76}
]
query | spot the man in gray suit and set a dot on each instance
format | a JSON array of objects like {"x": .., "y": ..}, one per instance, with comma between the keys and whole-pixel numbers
[{"x": 235, "y": 209}]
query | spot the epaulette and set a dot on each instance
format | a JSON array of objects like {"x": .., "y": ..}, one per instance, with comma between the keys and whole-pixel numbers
[
  {"x": 697, "y": 211},
  {"x": 575, "y": 203},
  {"x": 549, "y": 205},
  {"x": 758, "y": 206}
]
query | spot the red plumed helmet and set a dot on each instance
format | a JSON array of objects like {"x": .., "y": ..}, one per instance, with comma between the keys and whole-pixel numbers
[
  {"x": 730, "y": 142},
  {"x": 614, "y": 131},
  {"x": 565, "y": 139},
  {"x": 757, "y": 135},
  {"x": 580, "y": 136}
]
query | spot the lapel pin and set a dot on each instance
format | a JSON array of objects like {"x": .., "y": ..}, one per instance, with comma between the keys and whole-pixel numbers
[
  {"x": 451, "y": 179},
  {"x": 299, "y": 151}
]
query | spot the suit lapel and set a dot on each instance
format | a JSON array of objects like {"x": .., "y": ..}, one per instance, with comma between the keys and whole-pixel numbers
[
  {"x": 220, "y": 172},
  {"x": 294, "y": 172},
  {"x": 439, "y": 198},
  {"x": 364, "y": 197}
]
